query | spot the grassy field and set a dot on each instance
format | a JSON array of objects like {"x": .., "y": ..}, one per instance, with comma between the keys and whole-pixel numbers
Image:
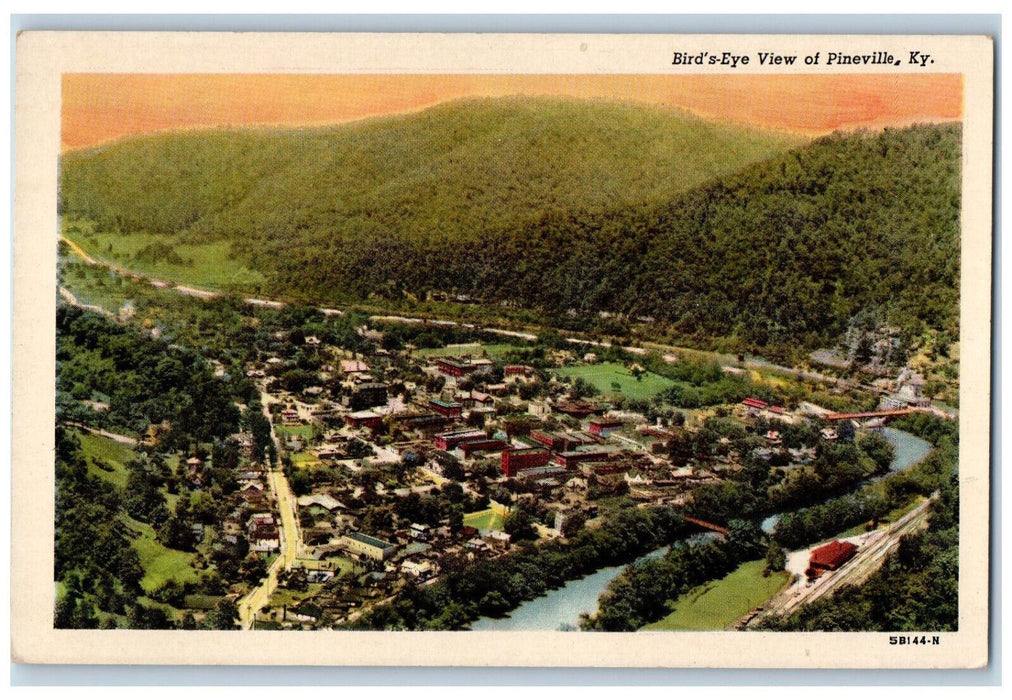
[
  {"x": 474, "y": 349},
  {"x": 207, "y": 265},
  {"x": 488, "y": 519},
  {"x": 717, "y": 604},
  {"x": 614, "y": 380},
  {"x": 303, "y": 431},
  {"x": 111, "y": 453},
  {"x": 304, "y": 460},
  {"x": 160, "y": 563}
]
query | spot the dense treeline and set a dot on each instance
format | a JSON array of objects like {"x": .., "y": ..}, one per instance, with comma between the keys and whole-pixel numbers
[
  {"x": 874, "y": 501},
  {"x": 916, "y": 590},
  {"x": 143, "y": 380},
  {"x": 493, "y": 587},
  {"x": 642, "y": 593},
  {"x": 497, "y": 201},
  {"x": 93, "y": 555}
]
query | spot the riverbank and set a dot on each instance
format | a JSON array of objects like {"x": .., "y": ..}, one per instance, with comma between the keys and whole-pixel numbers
[{"x": 563, "y": 607}]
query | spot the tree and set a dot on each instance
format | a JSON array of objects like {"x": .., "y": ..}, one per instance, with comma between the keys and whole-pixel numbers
[
  {"x": 776, "y": 558},
  {"x": 744, "y": 538},
  {"x": 223, "y": 617},
  {"x": 519, "y": 524}
]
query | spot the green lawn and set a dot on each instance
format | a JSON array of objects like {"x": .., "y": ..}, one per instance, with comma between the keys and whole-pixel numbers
[
  {"x": 484, "y": 520},
  {"x": 207, "y": 265},
  {"x": 112, "y": 454},
  {"x": 303, "y": 431},
  {"x": 615, "y": 380},
  {"x": 159, "y": 562},
  {"x": 304, "y": 460},
  {"x": 715, "y": 605}
]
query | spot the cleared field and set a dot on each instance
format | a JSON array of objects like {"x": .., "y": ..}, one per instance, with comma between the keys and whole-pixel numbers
[
  {"x": 488, "y": 519},
  {"x": 160, "y": 563},
  {"x": 615, "y": 380},
  {"x": 208, "y": 265},
  {"x": 110, "y": 453},
  {"x": 474, "y": 349},
  {"x": 304, "y": 460},
  {"x": 303, "y": 431},
  {"x": 717, "y": 604}
]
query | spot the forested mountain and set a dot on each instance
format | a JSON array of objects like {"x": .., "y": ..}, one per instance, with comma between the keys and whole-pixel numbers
[
  {"x": 567, "y": 207},
  {"x": 447, "y": 173}
]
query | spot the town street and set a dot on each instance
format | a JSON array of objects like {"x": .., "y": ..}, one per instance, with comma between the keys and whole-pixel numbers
[{"x": 291, "y": 536}]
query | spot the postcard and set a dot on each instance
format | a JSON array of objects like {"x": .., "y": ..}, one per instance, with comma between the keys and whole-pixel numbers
[{"x": 502, "y": 350}]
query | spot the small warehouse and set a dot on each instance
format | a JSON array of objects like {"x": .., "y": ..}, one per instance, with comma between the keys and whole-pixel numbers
[{"x": 830, "y": 557}]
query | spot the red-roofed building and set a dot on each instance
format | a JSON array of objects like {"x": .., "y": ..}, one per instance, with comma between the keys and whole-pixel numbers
[
  {"x": 449, "y": 441},
  {"x": 469, "y": 448},
  {"x": 754, "y": 403},
  {"x": 604, "y": 426},
  {"x": 517, "y": 371},
  {"x": 830, "y": 557},
  {"x": 450, "y": 409}
]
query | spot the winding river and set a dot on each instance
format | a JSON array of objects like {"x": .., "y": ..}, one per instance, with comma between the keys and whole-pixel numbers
[{"x": 561, "y": 608}]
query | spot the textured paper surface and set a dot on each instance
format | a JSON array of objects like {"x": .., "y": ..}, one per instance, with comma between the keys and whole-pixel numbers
[{"x": 44, "y": 57}]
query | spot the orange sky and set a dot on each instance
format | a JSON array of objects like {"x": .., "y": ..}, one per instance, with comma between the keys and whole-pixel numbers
[{"x": 99, "y": 108}]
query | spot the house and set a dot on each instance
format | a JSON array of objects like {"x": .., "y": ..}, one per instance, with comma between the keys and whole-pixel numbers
[
  {"x": 289, "y": 416},
  {"x": 419, "y": 531},
  {"x": 604, "y": 426},
  {"x": 262, "y": 533},
  {"x": 539, "y": 408},
  {"x": 473, "y": 398},
  {"x": 517, "y": 371},
  {"x": 231, "y": 530},
  {"x": 421, "y": 570},
  {"x": 312, "y": 341},
  {"x": 245, "y": 442},
  {"x": 498, "y": 539},
  {"x": 829, "y": 434},
  {"x": 773, "y": 436},
  {"x": 351, "y": 367},
  {"x": 195, "y": 470}
]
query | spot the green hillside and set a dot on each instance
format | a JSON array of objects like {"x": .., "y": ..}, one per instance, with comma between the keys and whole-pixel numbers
[
  {"x": 562, "y": 206},
  {"x": 453, "y": 170}
]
